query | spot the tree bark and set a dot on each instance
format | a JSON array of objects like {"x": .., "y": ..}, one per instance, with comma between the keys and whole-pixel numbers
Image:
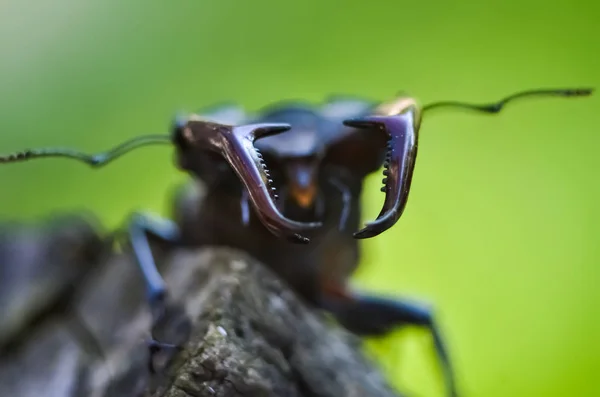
[{"x": 74, "y": 322}]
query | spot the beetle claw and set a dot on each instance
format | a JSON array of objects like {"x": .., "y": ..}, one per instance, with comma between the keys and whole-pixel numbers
[
  {"x": 248, "y": 163},
  {"x": 402, "y": 131}
]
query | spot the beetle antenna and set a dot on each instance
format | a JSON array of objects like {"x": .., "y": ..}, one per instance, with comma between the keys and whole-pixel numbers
[
  {"x": 94, "y": 160},
  {"x": 497, "y": 106}
]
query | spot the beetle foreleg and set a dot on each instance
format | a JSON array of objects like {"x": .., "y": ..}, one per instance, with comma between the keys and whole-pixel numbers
[
  {"x": 370, "y": 315},
  {"x": 141, "y": 226}
]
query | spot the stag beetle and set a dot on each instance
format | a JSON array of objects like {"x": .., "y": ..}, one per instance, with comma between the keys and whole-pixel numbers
[{"x": 284, "y": 185}]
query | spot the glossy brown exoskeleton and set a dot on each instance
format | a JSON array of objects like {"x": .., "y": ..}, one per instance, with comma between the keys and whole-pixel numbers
[{"x": 284, "y": 185}]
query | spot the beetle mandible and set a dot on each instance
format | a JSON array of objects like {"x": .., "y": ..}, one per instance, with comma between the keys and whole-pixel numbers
[{"x": 284, "y": 185}]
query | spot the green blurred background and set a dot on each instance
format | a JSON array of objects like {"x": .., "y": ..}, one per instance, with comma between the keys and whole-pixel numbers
[{"x": 501, "y": 230}]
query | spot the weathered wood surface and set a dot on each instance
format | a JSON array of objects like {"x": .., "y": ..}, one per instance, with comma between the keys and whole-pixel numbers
[{"x": 242, "y": 331}]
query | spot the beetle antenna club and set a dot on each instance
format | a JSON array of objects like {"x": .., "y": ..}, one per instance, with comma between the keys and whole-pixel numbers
[
  {"x": 497, "y": 106},
  {"x": 94, "y": 160}
]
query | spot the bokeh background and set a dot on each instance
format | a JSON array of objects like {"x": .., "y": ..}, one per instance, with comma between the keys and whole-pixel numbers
[{"x": 501, "y": 233}]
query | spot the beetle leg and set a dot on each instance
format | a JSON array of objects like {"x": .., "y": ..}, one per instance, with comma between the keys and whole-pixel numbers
[
  {"x": 371, "y": 315},
  {"x": 141, "y": 226}
]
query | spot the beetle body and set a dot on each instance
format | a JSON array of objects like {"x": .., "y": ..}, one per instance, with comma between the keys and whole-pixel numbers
[{"x": 284, "y": 185}]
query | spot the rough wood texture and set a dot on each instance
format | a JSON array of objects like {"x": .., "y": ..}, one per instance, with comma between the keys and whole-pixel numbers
[{"x": 242, "y": 332}]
